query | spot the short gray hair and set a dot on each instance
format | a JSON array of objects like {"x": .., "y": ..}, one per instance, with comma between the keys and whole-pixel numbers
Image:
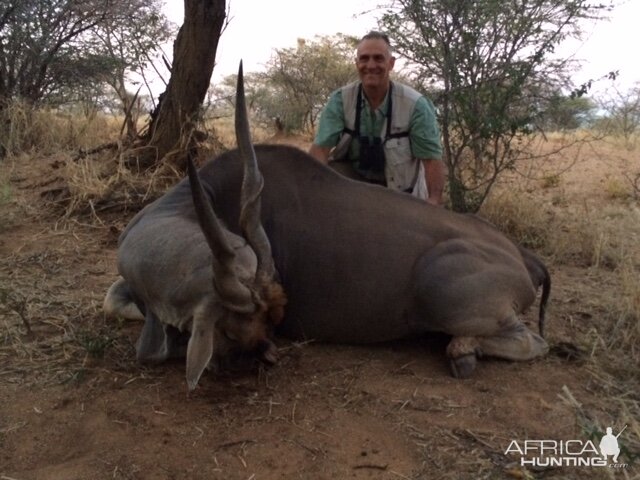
[{"x": 376, "y": 35}]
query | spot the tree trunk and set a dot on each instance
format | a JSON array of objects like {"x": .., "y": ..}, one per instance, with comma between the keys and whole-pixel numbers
[{"x": 194, "y": 54}]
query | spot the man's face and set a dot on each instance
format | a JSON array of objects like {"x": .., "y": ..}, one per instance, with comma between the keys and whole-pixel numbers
[{"x": 374, "y": 62}]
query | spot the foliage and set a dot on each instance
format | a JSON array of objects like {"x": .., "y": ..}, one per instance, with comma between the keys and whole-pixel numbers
[
  {"x": 57, "y": 52},
  {"x": 622, "y": 112},
  {"x": 564, "y": 112},
  {"x": 221, "y": 102},
  {"x": 39, "y": 39},
  {"x": 51, "y": 49},
  {"x": 298, "y": 81},
  {"x": 129, "y": 39},
  {"x": 490, "y": 60},
  {"x": 307, "y": 75}
]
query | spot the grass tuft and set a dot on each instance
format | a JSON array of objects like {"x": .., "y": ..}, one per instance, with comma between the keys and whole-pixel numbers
[
  {"x": 617, "y": 189},
  {"x": 521, "y": 217},
  {"x": 95, "y": 344},
  {"x": 624, "y": 316},
  {"x": 551, "y": 181},
  {"x": 49, "y": 131}
]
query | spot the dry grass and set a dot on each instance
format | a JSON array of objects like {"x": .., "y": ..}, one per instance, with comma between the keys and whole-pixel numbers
[
  {"x": 52, "y": 322},
  {"x": 618, "y": 188},
  {"x": 48, "y": 131},
  {"x": 620, "y": 336},
  {"x": 97, "y": 185},
  {"x": 594, "y": 223},
  {"x": 6, "y": 194},
  {"x": 521, "y": 216},
  {"x": 223, "y": 130}
]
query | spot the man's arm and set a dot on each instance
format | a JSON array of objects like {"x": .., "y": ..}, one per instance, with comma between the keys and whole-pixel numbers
[
  {"x": 330, "y": 128},
  {"x": 320, "y": 153},
  {"x": 434, "y": 171},
  {"x": 426, "y": 146}
]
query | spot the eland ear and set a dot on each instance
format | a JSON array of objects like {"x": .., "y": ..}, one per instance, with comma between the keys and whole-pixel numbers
[{"x": 199, "y": 350}]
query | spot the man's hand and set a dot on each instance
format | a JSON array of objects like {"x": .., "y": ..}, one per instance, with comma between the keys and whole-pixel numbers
[
  {"x": 320, "y": 153},
  {"x": 434, "y": 171},
  {"x": 435, "y": 201}
]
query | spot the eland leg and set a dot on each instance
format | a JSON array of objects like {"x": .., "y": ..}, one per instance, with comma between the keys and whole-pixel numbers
[
  {"x": 513, "y": 342},
  {"x": 473, "y": 290}
]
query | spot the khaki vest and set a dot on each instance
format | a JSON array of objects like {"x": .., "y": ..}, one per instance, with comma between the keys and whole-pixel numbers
[{"x": 402, "y": 171}]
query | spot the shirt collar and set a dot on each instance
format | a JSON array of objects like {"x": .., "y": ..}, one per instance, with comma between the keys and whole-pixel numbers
[{"x": 382, "y": 109}]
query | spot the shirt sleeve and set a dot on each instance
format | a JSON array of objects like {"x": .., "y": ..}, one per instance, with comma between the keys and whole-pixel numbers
[
  {"x": 331, "y": 122},
  {"x": 424, "y": 131}
]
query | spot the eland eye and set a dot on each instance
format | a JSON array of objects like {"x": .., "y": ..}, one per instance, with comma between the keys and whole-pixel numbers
[{"x": 230, "y": 336}]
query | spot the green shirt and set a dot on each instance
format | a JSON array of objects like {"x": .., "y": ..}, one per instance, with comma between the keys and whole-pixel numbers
[{"x": 424, "y": 132}]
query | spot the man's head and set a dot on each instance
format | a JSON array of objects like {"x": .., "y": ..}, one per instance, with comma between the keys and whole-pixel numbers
[{"x": 374, "y": 60}]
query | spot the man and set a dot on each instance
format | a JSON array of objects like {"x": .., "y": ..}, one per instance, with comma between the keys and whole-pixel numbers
[{"x": 387, "y": 132}]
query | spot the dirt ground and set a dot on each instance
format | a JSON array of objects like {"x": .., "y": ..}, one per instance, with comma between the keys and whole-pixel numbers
[{"x": 75, "y": 405}]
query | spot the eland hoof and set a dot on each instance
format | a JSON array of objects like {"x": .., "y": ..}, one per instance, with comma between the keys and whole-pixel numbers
[{"x": 463, "y": 366}]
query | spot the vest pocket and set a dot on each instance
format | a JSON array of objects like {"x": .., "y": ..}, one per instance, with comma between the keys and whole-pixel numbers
[{"x": 400, "y": 169}]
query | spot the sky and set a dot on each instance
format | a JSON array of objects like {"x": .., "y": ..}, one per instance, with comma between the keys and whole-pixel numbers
[{"x": 258, "y": 27}]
